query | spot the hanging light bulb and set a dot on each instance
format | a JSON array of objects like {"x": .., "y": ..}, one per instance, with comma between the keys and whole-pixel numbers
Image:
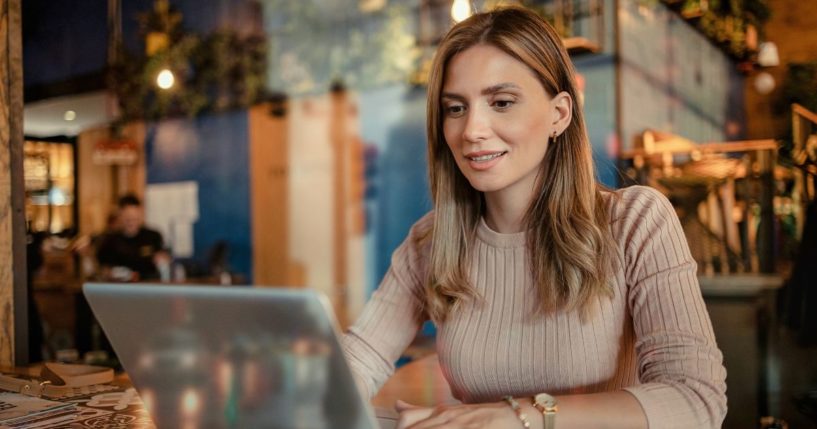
[
  {"x": 764, "y": 83},
  {"x": 460, "y": 10},
  {"x": 767, "y": 55},
  {"x": 165, "y": 79}
]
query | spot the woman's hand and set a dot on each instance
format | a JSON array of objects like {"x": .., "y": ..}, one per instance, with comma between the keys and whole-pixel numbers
[{"x": 495, "y": 415}]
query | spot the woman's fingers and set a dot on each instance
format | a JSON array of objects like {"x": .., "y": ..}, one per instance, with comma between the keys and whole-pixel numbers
[
  {"x": 442, "y": 414},
  {"x": 411, "y": 416},
  {"x": 401, "y": 406}
]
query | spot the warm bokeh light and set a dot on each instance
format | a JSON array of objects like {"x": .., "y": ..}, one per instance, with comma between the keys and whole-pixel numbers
[
  {"x": 191, "y": 402},
  {"x": 764, "y": 83},
  {"x": 165, "y": 79},
  {"x": 460, "y": 10},
  {"x": 148, "y": 398},
  {"x": 70, "y": 115}
]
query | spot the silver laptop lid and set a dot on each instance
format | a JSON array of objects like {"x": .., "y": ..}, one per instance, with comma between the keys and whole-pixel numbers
[{"x": 228, "y": 357}]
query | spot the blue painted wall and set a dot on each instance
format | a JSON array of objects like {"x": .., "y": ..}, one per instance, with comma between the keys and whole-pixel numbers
[
  {"x": 212, "y": 150},
  {"x": 400, "y": 192},
  {"x": 599, "y": 71}
]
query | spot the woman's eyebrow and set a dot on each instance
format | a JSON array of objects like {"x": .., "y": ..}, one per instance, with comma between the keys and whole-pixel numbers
[
  {"x": 499, "y": 87},
  {"x": 487, "y": 91},
  {"x": 452, "y": 95}
]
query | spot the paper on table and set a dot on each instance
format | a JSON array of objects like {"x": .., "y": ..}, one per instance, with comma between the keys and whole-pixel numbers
[
  {"x": 173, "y": 208},
  {"x": 16, "y": 408},
  {"x": 182, "y": 239}
]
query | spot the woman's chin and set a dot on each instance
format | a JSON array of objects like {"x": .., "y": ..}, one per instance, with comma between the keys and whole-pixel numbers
[{"x": 485, "y": 186}]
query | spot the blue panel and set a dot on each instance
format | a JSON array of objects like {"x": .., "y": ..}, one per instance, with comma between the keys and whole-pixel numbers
[
  {"x": 598, "y": 72},
  {"x": 212, "y": 150},
  {"x": 393, "y": 120}
]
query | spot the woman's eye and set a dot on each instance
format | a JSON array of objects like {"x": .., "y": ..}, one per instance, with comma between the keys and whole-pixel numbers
[
  {"x": 455, "y": 110},
  {"x": 503, "y": 104}
]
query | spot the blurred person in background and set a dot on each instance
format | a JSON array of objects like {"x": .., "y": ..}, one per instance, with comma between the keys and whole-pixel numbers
[{"x": 131, "y": 252}]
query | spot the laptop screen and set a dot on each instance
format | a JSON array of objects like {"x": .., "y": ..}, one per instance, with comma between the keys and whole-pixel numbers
[{"x": 206, "y": 356}]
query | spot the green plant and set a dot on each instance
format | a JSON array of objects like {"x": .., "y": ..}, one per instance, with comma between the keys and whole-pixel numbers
[
  {"x": 221, "y": 71},
  {"x": 727, "y": 22},
  {"x": 217, "y": 72}
]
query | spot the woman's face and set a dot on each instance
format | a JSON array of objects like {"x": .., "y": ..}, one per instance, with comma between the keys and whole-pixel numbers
[{"x": 497, "y": 118}]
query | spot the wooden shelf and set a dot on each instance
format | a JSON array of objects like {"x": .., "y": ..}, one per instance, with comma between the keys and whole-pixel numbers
[{"x": 580, "y": 45}]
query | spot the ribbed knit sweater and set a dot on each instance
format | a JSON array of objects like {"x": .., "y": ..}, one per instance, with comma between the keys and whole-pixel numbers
[{"x": 653, "y": 338}]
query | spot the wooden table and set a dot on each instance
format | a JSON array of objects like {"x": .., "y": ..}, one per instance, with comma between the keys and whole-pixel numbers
[{"x": 420, "y": 382}]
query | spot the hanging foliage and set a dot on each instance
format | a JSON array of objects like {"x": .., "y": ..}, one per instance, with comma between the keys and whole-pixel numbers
[
  {"x": 220, "y": 71},
  {"x": 735, "y": 25}
]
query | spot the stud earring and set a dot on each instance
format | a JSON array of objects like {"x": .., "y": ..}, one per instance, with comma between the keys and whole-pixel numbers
[{"x": 553, "y": 137}]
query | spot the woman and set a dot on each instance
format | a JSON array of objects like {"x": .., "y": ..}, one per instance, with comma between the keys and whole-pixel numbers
[{"x": 539, "y": 280}]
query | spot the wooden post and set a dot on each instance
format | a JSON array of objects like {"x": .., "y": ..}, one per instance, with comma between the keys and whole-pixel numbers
[
  {"x": 13, "y": 299},
  {"x": 339, "y": 138}
]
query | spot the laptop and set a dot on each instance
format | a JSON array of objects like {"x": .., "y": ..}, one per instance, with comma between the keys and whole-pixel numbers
[{"x": 228, "y": 357}]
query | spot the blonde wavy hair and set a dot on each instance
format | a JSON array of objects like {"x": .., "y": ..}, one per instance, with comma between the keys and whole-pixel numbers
[{"x": 569, "y": 243}]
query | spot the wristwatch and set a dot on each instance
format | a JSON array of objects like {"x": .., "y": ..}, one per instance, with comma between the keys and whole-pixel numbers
[{"x": 547, "y": 405}]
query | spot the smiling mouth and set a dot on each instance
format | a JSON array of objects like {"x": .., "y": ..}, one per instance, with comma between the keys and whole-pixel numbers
[{"x": 486, "y": 158}]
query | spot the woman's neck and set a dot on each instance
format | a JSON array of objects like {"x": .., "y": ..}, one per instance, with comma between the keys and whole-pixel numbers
[{"x": 505, "y": 212}]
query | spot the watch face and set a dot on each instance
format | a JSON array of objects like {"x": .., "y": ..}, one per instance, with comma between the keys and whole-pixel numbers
[{"x": 545, "y": 399}]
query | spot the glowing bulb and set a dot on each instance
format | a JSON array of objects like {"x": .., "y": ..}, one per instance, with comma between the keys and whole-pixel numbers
[
  {"x": 70, "y": 115},
  {"x": 191, "y": 402},
  {"x": 764, "y": 83},
  {"x": 165, "y": 79},
  {"x": 460, "y": 10}
]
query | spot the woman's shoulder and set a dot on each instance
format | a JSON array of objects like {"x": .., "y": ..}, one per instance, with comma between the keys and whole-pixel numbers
[
  {"x": 412, "y": 255},
  {"x": 418, "y": 240},
  {"x": 635, "y": 202}
]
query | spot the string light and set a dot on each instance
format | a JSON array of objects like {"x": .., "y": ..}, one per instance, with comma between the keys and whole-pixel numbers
[
  {"x": 460, "y": 10},
  {"x": 165, "y": 79}
]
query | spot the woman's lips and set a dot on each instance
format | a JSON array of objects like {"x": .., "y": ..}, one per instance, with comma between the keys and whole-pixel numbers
[{"x": 483, "y": 160}]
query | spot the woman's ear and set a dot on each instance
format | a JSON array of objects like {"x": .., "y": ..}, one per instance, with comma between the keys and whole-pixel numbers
[{"x": 562, "y": 104}]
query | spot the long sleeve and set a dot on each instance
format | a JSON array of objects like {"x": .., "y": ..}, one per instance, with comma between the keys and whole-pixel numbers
[
  {"x": 391, "y": 318},
  {"x": 679, "y": 365}
]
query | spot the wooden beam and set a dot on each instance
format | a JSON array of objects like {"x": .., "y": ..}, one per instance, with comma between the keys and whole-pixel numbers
[
  {"x": 806, "y": 113},
  {"x": 13, "y": 299},
  {"x": 722, "y": 147},
  {"x": 339, "y": 138},
  {"x": 269, "y": 191},
  {"x": 581, "y": 45}
]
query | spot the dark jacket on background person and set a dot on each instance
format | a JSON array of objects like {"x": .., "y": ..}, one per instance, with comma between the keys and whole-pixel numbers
[{"x": 136, "y": 253}]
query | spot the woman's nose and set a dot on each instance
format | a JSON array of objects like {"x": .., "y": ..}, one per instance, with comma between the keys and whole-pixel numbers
[{"x": 477, "y": 126}]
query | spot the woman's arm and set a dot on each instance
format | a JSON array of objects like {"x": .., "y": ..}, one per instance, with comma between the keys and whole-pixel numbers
[
  {"x": 611, "y": 410},
  {"x": 680, "y": 368},
  {"x": 391, "y": 318}
]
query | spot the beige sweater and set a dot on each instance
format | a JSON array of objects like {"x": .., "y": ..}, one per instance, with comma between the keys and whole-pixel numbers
[{"x": 653, "y": 338}]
